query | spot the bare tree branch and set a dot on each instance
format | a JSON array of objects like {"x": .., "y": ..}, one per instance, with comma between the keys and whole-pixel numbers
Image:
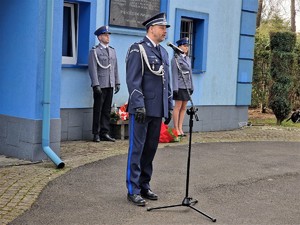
[
  {"x": 293, "y": 16},
  {"x": 258, "y": 16}
]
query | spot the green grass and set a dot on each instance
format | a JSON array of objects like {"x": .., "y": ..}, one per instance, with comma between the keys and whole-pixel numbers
[{"x": 272, "y": 122}]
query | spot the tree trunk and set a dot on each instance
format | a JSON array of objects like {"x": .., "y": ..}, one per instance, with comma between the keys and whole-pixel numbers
[
  {"x": 259, "y": 11},
  {"x": 293, "y": 16},
  {"x": 263, "y": 108},
  {"x": 278, "y": 122}
]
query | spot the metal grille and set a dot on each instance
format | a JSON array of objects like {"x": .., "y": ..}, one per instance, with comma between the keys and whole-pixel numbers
[{"x": 187, "y": 30}]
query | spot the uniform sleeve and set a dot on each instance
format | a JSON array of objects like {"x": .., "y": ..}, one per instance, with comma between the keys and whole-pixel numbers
[
  {"x": 191, "y": 75},
  {"x": 174, "y": 71},
  {"x": 192, "y": 84},
  {"x": 170, "y": 94},
  {"x": 134, "y": 77},
  {"x": 117, "y": 79},
  {"x": 93, "y": 68}
]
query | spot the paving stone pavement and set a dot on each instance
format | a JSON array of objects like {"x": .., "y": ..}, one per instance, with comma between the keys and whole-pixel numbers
[{"x": 21, "y": 182}]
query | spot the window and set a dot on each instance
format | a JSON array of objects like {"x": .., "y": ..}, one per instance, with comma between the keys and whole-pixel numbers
[
  {"x": 79, "y": 18},
  {"x": 187, "y": 30},
  {"x": 69, "y": 39},
  {"x": 193, "y": 25}
]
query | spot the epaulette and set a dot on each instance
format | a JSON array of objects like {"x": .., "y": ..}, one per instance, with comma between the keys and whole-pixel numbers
[
  {"x": 133, "y": 49},
  {"x": 111, "y": 47},
  {"x": 95, "y": 46},
  {"x": 137, "y": 43}
]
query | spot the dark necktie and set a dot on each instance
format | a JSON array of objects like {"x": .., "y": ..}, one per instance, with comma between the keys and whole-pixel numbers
[
  {"x": 158, "y": 49},
  {"x": 107, "y": 50}
]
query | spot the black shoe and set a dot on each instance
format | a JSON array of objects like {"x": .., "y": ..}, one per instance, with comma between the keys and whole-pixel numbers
[
  {"x": 106, "y": 137},
  {"x": 136, "y": 199},
  {"x": 149, "y": 194},
  {"x": 96, "y": 138}
]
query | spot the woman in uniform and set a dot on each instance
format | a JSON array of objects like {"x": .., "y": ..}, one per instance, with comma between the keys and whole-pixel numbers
[{"x": 182, "y": 83}]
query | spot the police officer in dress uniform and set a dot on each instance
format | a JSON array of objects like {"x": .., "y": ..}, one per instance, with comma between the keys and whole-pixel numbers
[
  {"x": 150, "y": 99},
  {"x": 103, "y": 70},
  {"x": 182, "y": 82}
]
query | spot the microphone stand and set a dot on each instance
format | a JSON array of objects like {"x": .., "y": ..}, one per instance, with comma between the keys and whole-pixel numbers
[{"x": 187, "y": 201}]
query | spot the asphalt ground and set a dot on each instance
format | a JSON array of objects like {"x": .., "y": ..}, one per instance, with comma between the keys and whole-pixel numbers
[{"x": 246, "y": 176}]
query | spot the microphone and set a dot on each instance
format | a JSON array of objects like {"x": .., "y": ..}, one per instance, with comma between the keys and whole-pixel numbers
[{"x": 175, "y": 48}]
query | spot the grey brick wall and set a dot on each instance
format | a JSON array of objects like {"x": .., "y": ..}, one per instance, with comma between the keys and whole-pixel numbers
[
  {"x": 22, "y": 138},
  {"x": 216, "y": 118},
  {"x": 77, "y": 123}
]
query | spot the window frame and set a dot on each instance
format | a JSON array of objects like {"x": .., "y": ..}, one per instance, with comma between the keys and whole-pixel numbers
[
  {"x": 86, "y": 23},
  {"x": 200, "y": 39},
  {"x": 72, "y": 60}
]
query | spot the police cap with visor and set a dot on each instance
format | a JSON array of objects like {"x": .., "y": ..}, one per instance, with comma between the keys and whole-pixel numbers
[
  {"x": 102, "y": 30},
  {"x": 183, "y": 41},
  {"x": 159, "y": 19}
]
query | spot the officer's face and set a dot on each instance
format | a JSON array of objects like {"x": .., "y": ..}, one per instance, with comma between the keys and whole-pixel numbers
[
  {"x": 104, "y": 38},
  {"x": 158, "y": 33},
  {"x": 184, "y": 48}
]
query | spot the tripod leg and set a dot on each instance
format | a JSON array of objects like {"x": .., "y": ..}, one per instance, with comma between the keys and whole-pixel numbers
[
  {"x": 163, "y": 207},
  {"x": 195, "y": 201},
  {"x": 212, "y": 219}
]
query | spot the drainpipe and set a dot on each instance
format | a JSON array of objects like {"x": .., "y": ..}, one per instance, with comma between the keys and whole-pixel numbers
[{"x": 47, "y": 89}]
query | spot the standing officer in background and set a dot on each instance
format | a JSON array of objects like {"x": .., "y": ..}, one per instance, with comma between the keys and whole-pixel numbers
[
  {"x": 103, "y": 70},
  {"x": 182, "y": 83},
  {"x": 150, "y": 99}
]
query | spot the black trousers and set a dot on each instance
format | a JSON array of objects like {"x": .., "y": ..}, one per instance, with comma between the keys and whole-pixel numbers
[
  {"x": 101, "y": 111},
  {"x": 143, "y": 142}
]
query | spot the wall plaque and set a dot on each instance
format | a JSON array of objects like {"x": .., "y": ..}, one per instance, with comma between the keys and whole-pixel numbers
[{"x": 132, "y": 13}]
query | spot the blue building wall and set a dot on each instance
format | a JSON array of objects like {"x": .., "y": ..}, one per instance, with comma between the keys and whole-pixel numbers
[
  {"x": 222, "y": 78},
  {"x": 75, "y": 82},
  {"x": 217, "y": 85},
  {"x": 17, "y": 86},
  {"x": 22, "y": 66},
  {"x": 246, "y": 52},
  {"x": 22, "y": 59}
]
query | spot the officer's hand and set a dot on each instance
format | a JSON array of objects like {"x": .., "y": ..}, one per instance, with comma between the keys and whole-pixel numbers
[
  {"x": 140, "y": 115},
  {"x": 117, "y": 88},
  {"x": 175, "y": 94},
  {"x": 97, "y": 90},
  {"x": 167, "y": 120}
]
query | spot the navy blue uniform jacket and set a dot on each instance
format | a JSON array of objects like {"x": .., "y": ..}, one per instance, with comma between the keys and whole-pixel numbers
[{"x": 148, "y": 90}]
